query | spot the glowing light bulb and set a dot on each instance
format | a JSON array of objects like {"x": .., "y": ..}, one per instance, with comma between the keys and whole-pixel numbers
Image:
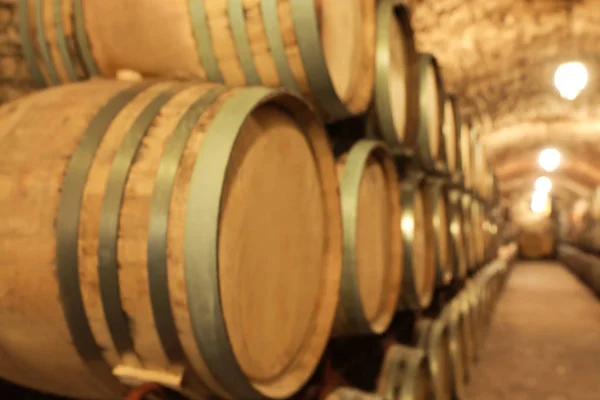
[
  {"x": 543, "y": 184},
  {"x": 570, "y": 79},
  {"x": 540, "y": 202},
  {"x": 549, "y": 159}
]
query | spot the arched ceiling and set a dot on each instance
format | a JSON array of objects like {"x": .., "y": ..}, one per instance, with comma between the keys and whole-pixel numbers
[{"x": 499, "y": 56}]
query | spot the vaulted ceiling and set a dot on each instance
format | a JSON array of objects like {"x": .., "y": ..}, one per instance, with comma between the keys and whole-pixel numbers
[{"x": 499, "y": 56}]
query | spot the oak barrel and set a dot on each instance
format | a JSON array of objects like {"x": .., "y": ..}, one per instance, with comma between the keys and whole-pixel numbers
[
  {"x": 437, "y": 211},
  {"x": 466, "y": 155},
  {"x": 157, "y": 230},
  {"x": 404, "y": 374},
  {"x": 372, "y": 249},
  {"x": 469, "y": 233},
  {"x": 324, "y": 49},
  {"x": 431, "y": 147},
  {"x": 418, "y": 280},
  {"x": 396, "y": 77},
  {"x": 434, "y": 339},
  {"x": 457, "y": 232},
  {"x": 451, "y": 130},
  {"x": 477, "y": 215}
]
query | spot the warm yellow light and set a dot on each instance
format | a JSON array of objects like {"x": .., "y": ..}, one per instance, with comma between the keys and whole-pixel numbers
[
  {"x": 570, "y": 79},
  {"x": 543, "y": 184},
  {"x": 540, "y": 203},
  {"x": 549, "y": 159}
]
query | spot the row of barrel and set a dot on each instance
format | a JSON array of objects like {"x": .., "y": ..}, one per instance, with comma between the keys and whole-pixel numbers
[
  {"x": 580, "y": 225},
  {"x": 585, "y": 265},
  {"x": 437, "y": 364},
  {"x": 207, "y": 237},
  {"x": 348, "y": 59},
  {"x": 156, "y": 229}
]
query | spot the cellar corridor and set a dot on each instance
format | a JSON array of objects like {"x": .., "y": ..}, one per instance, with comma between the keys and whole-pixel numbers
[{"x": 544, "y": 341}]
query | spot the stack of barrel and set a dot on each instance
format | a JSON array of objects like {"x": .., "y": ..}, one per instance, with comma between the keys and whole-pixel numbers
[{"x": 186, "y": 218}]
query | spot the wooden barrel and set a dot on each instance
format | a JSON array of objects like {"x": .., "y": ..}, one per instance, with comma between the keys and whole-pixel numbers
[
  {"x": 396, "y": 76},
  {"x": 466, "y": 200},
  {"x": 351, "y": 394},
  {"x": 418, "y": 280},
  {"x": 466, "y": 155},
  {"x": 457, "y": 234},
  {"x": 434, "y": 339},
  {"x": 404, "y": 374},
  {"x": 453, "y": 317},
  {"x": 451, "y": 130},
  {"x": 322, "y": 49},
  {"x": 372, "y": 250},
  {"x": 166, "y": 229},
  {"x": 480, "y": 168},
  {"x": 436, "y": 210},
  {"x": 477, "y": 212},
  {"x": 431, "y": 147}
]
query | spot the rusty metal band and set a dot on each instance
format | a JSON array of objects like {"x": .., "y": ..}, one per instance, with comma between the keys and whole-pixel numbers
[
  {"x": 201, "y": 262},
  {"x": 411, "y": 296},
  {"x": 108, "y": 229},
  {"x": 42, "y": 42},
  {"x": 412, "y": 376},
  {"x": 351, "y": 302},
  {"x": 428, "y": 62},
  {"x": 83, "y": 43},
  {"x": 435, "y": 195},
  {"x": 388, "y": 12},
  {"x": 27, "y": 45},
  {"x": 67, "y": 232},
  {"x": 456, "y": 349},
  {"x": 204, "y": 45},
  {"x": 306, "y": 28},
  {"x": 272, "y": 27},
  {"x": 237, "y": 23},
  {"x": 61, "y": 41},
  {"x": 158, "y": 226}
]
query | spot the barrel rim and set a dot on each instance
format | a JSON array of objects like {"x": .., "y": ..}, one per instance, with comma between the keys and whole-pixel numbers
[
  {"x": 451, "y": 100},
  {"x": 387, "y": 12},
  {"x": 201, "y": 261},
  {"x": 350, "y": 300},
  {"x": 413, "y": 297},
  {"x": 436, "y": 197},
  {"x": 426, "y": 157}
]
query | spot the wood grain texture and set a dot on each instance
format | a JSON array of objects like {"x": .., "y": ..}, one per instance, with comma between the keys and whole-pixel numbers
[{"x": 34, "y": 334}]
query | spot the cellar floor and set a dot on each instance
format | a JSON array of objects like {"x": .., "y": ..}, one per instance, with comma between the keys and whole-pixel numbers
[{"x": 544, "y": 341}]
